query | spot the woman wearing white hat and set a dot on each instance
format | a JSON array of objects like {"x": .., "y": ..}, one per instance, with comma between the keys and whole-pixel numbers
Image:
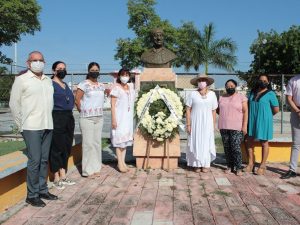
[{"x": 201, "y": 108}]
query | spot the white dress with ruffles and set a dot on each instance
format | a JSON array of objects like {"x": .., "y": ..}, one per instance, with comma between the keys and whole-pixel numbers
[{"x": 122, "y": 136}]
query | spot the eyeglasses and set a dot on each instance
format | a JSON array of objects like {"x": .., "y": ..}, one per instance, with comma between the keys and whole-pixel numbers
[{"x": 37, "y": 60}]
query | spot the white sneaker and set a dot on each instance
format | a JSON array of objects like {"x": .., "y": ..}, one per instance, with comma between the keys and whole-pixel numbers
[
  {"x": 58, "y": 185},
  {"x": 67, "y": 181}
]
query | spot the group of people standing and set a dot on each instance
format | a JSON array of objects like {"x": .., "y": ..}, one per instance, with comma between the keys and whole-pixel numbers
[
  {"x": 43, "y": 111},
  {"x": 42, "y": 108},
  {"x": 241, "y": 119}
]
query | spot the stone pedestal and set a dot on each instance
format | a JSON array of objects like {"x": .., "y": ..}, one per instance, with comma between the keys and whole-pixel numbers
[
  {"x": 158, "y": 151},
  {"x": 161, "y": 76}
]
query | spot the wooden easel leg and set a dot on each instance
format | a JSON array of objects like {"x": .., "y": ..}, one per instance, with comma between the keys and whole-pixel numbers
[
  {"x": 148, "y": 153},
  {"x": 166, "y": 144}
]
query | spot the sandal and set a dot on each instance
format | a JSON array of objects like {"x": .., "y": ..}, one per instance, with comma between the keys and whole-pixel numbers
[
  {"x": 227, "y": 170},
  {"x": 261, "y": 170},
  {"x": 249, "y": 168},
  {"x": 205, "y": 170},
  {"x": 197, "y": 170},
  {"x": 239, "y": 173}
]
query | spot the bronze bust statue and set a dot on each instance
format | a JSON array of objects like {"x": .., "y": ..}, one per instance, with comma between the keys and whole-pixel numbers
[{"x": 158, "y": 56}]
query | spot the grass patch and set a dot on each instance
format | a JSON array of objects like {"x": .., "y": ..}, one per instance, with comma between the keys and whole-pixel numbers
[
  {"x": 105, "y": 142},
  {"x": 222, "y": 193},
  {"x": 219, "y": 145},
  {"x": 11, "y": 146},
  {"x": 173, "y": 188},
  {"x": 159, "y": 176}
]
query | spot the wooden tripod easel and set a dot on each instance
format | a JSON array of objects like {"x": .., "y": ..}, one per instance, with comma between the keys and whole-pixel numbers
[{"x": 166, "y": 148}]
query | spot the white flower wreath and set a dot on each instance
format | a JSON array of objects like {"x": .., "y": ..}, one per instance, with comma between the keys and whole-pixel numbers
[{"x": 158, "y": 125}]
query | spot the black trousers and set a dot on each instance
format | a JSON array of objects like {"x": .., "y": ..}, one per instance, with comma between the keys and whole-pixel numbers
[
  {"x": 62, "y": 139},
  {"x": 232, "y": 147}
]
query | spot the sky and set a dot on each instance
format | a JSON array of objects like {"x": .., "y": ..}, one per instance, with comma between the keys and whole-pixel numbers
[{"x": 78, "y": 32}]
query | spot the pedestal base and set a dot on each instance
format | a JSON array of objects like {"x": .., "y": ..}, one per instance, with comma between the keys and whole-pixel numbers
[
  {"x": 157, "y": 163},
  {"x": 164, "y": 77},
  {"x": 158, "y": 152}
]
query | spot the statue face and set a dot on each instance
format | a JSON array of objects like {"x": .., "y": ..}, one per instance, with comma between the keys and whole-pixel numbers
[{"x": 158, "y": 39}]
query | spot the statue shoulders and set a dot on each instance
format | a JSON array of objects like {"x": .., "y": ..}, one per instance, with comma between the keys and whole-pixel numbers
[{"x": 160, "y": 56}]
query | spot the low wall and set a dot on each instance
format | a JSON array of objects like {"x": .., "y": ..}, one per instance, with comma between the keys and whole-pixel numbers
[
  {"x": 279, "y": 151},
  {"x": 13, "y": 176}
]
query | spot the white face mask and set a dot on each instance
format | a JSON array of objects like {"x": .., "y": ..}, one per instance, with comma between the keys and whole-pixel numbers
[
  {"x": 37, "y": 66},
  {"x": 124, "y": 80}
]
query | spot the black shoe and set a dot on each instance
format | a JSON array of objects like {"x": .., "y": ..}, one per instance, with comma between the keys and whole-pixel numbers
[
  {"x": 48, "y": 196},
  {"x": 289, "y": 174},
  {"x": 37, "y": 202}
]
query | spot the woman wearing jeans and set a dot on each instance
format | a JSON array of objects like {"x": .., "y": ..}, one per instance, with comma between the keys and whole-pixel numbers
[
  {"x": 89, "y": 101},
  {"x": 63, "y": 122}
]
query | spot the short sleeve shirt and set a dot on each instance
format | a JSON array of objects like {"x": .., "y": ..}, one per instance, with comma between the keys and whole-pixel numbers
[
  {"x": 92, "y": 100},
  {"x": 231, "y": 112},
  {"x": 293, "y": 89}
]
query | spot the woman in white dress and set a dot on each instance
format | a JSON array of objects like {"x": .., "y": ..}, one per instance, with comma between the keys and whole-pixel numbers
[
  {"x": 122, "y": 107},
  {"x": 201, "y": 108}
]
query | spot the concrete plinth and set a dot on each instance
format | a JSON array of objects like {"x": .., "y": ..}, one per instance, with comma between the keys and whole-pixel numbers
[
  {"x": 161, "y": 76},
  {"x": 158, "y": 74},
  {"x": 158, "y": 153}
]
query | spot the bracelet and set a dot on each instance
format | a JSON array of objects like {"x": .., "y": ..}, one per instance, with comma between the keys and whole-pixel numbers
[{"x": 188, "y": 125}]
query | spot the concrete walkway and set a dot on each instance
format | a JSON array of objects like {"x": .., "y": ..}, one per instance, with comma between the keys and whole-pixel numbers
[{"x": 180, "y": 196}]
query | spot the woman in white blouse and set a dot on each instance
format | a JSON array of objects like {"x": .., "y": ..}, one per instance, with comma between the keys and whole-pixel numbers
[{"x": 89, "y": 101}]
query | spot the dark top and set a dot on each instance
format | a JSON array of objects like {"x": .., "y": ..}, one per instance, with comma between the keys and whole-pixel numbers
[{"x": 63, "y": 98}]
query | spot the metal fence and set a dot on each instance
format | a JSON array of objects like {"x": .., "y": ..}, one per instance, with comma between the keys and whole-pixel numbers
[{"x": 183, "y": 83}]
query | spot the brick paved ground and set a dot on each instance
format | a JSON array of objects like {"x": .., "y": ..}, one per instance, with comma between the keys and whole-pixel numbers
[{"x": 178, "y": 197}]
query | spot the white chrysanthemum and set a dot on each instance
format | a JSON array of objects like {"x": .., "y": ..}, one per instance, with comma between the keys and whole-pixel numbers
[{"x": 160, "y": 126}]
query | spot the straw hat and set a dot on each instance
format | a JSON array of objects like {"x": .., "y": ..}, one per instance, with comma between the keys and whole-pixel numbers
[{"x": 195, "y": 80}]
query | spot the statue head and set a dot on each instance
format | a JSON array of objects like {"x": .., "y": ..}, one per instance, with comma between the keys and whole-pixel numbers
[{"x": 157, "y": 37}]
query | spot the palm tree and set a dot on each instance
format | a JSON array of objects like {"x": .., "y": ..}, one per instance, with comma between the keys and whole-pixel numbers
[{"x": 196, "y": 49}]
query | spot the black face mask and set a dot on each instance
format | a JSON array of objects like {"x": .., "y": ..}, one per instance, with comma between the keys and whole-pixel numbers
[
  {"x": 262, "y": 84},
  {"x": 230, "y": 91},
  {"x": 61, "y": 74},
  {"x": 94, "y": 74}
]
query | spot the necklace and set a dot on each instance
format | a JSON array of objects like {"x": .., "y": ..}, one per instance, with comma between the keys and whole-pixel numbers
[
  {"x": 128, "y": 98},
  {"x": 127, "y": 91},
  {"x": 203, "y": 96}
]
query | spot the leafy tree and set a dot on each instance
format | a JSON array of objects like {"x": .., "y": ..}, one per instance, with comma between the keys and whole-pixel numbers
[
  {"x": 17, "y": 17},
  {"x": 192, "y": 48},
  {"x": 203, "y": 49},
  {"x": 275, "y": 53}
]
